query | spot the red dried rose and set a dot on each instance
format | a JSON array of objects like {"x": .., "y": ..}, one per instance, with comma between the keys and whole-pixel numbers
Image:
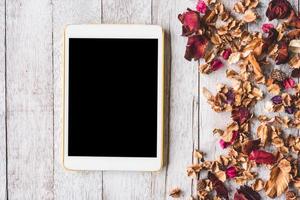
[
  {"x": 223, "y": 144},
  {"x": 226, "y": 53},
  {"x": 190, "y": 22},
  {"x": 278, "y": 9},
  {"x": 262, "y": 157},
  {"x": 283, "y": 53},
  {"x": 293, "y": 20},
  {"x": 250, "y": 145},
  {"x": 201, "y": 7},
  {"x": 246, "y": 193},
  {"x": 195, "y": 48},
  {"x": 266, "y": 27},
  {"x": 289, "y": 83},
  {"x": 240, "y": 115},
  {"x": 216, "y": 64},
  {"x": 231, "y": 172},
  {"x": 219, "y": 186}
]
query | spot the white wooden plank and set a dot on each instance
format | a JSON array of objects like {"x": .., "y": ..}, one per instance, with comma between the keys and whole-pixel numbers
[
  {"x": 76, "y": 184},
  {"x": 126, "y": 185},
  {"x": 183, "y": 105},
  {"x": 2, "y": 104},
  {"x": 29, "y": 100}
]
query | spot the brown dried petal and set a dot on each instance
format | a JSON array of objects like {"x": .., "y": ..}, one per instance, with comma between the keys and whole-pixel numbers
[
  {"x": 218, "y": 185},
  {"x": 175, "y": 192},
  {"x": 295, "y": 62},
  {"x": 258, "y": 185},
  {"x": 249, "y": 16}
]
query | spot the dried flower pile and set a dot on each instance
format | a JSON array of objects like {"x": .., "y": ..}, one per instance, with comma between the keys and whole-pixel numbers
[{"x": 215, "y": 35}]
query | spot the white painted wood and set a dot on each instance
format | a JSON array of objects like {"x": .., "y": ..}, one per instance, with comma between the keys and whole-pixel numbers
[
  {"x": 127, "y": 185},
  {"x": 183, "y": 96},
  {"x": 70, "y": 184},
  {"x": 2, "y": 104},
  {"x": 29, "y": 99}
]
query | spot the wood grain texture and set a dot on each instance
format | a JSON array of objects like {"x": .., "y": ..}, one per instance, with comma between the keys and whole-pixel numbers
[
  {"x": 127, "y": 185},
  {"x": 70, "y": 184},
  {"x": 2, "y": 104},
  {"x": 29, "y": 99}
]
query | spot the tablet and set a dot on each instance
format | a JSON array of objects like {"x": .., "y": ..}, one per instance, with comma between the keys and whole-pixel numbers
[{"x": 113, "y": 97}]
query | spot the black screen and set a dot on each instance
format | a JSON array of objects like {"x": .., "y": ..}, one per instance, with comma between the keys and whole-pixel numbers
[{"x": 112, "y": 97}]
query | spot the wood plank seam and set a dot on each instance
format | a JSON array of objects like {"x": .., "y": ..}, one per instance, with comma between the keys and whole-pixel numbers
[{"x": 5, "y": 97}]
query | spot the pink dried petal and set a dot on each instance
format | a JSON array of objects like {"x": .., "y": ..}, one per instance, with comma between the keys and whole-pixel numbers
[
  {"x": 231, "y": 172},
  {"x": 190, "y": 22},
  {"x": 201, "y": 7},
  {"x": 262, "y": 157},
  {"x": 224, "y": 145},
  {"x": 289, "y": 83},
  {"x": 226, "y": 53},
  {"x": 195, "y": 48},
  {"x": 216, "y": 64},
  {"x": 266, "y": 27}
]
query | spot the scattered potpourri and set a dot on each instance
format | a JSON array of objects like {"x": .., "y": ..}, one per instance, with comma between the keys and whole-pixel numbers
[{"x": 217, "y": 37}]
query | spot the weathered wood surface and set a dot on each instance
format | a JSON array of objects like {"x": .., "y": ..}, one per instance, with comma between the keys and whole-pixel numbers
[{"x": 31, "y": 39}]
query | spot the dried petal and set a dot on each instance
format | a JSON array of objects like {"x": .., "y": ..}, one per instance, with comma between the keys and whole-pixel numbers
[
  {"x": 195, "y": 48},
  {"x": 278, "y": 9},
  {"x": 219, "y": 186},
  {"x": 295, "y": 62},
  {"x": 190, "y": 22},
  {"x": 231, "y": 172},
  {"x": 240, "y": 115},
  {"x": 289, "y": 83},
  {"x": 250, "y": 145},
  {"x": 296, "y": 73},
  {"x": 279, "y": 179},
  {"x": 262, "y": 157},
  {"x": 290, "y": 110},
  {"x": 283, "y": 53},
  {"x": 234, "y": 58},
  {"x": 175, "y": 192},
  {"x": 201, "y": 7},
  {"x": 225, "y": 144},
  {"x": 294, "y": 46},
  {"x": 226, "y": 53},
  {"x": 249, "y": 16},
  {"x": 266, "y": 27},
  {"x": 216, "y": 64},
  {"x": 246, "y": 193},
  {"x": 258, "y": 185},
  {"x": 277, "y": 99}
]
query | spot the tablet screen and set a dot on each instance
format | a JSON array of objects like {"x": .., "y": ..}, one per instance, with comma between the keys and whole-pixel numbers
[{"x": 112, "y": 97}]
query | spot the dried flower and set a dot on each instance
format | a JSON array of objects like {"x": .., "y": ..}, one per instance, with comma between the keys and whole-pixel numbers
[
  {"x": 283, "y": 53},
  {"x": 225, "y": 144},
  {"x": 218, "y": 185},
  {"x": 249, "y": 16},
  {"x": 240, "y": 115},
  {"x": 290, "y": 109},
  {"x": 250, "y": 145},
  {"x": 226, "y": 53},
  {"x": 278, "y": 75},
  {"x": 195, "y": 48},
  {"x": 266, "y": 27},
  {"x": 289, "y": 83},
  {"x": 278, "y": 9},
  {"x": 216, "y": 64},
  {"x": 294, "y": 46},
  {"x": 277, "y": 99},
  {"x": 231, "y": 172},
  {"x": 246, "y": 193},
  {"x": 262, "y": 157},
  {"x": 295, "y": 73},
  {"x": 190, "y": 22},
  {"x": 201, "y": 7},
  {"x": 175, "y": 192}
]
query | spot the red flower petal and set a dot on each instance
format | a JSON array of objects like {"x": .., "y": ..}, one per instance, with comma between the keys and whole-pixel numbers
[
  {"x": 289, "y": 83},
  {"x": 283, "y": 53},
  {"x": 240, "y": 115},
  {"x": 223, "y": 144},
  {"x": 201, "y": 6},
  {"x": 266, "y": 27},
  {"x": 195, "y": 48},
  {"x": 278, "y": 9},
  {"x": 216, "y": 64},
  {"x": 218, "y": 185},
  {"x": 231, "y": 172},
  {"x": 190, "y": 22},
  {"x": 262, "y": 157},
  {"x": 226, "y": 53}
]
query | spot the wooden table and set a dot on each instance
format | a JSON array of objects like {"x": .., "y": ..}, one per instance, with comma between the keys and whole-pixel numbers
[{"x": 31, "y": 35}]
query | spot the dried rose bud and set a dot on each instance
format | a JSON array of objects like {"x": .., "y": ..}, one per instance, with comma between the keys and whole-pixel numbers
[
  {"x": 201, "y": 7},
  {"x": 240, "y": 115},
  {"x": 283, "y": 53},
  {"x": 246, "y": 193},
  {"x": 231, "y": 172},
  {"x": 289, "y": 83},
  {"x": 276, "y": 99},
  {"x": 218, "y": 185},
  {"x": 278, "y": 9},
  {"x": 190, "y": 22},
  {"x": 195, "y": 48},
  {"x": 290, "y": 109},
  {"x": 262, "y": 157},
  {"x": 266, "y": 27},
  {"x": 216, "y": 64},
  {"x": 226, "y": 53}
]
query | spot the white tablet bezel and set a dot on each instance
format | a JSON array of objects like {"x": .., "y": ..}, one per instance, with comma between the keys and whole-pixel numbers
[{"x": 114, "y": 163}]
